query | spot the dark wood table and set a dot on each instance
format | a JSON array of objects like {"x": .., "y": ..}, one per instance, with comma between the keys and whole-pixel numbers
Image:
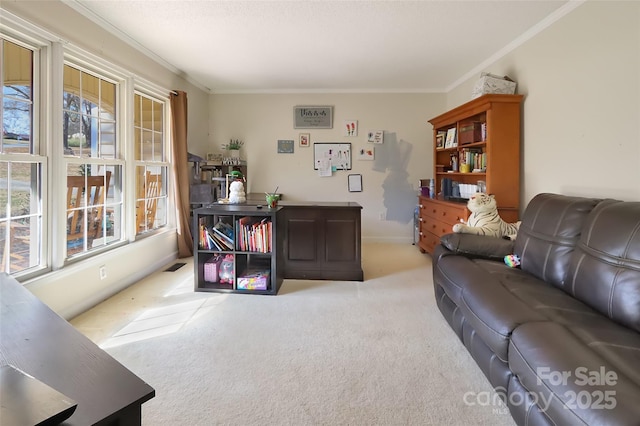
[{"x": 36, "y": 340}]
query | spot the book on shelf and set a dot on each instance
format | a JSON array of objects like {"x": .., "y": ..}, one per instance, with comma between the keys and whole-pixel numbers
[
  {"x": 221, "y": 238},
  {"x": 225, "y": 229},
  {"x": 254, "y": 234}
]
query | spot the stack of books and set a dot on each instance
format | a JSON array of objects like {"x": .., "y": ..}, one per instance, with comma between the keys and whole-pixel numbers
[{"x": 254, "y": 234}]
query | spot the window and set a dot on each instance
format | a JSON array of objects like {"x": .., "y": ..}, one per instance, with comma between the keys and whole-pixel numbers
[
  {"x": 91, "y": 152},
  {"x": 84, "y": 162},
  {"x": 21, "y": 168},
  {"x": 151, "y": 165}
]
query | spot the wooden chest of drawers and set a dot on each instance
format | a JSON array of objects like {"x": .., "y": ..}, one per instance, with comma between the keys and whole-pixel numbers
[{"x": 437, "y": 218}]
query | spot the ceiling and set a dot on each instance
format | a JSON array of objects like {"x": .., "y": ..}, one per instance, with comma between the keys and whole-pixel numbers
[{"x": 237, "y": 46}]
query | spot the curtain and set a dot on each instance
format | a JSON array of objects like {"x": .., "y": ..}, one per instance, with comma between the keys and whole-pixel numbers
[{"x": 181, "y": 172}]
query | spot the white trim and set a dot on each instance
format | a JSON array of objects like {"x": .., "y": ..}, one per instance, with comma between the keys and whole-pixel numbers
[
  {"x": 13, "y": 24},
  {"x": 319, "y": 91},
  {"x": 91, "y": 15},
  {"x": 526, "y": 36}
]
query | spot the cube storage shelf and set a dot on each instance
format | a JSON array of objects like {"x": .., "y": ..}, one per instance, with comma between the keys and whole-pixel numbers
[{"x": 236, "y": 249}]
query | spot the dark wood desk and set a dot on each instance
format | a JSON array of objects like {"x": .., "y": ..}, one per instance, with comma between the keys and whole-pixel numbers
[
  {"x": 42, "y": 344},
  {"x": 322, "y": 241}
]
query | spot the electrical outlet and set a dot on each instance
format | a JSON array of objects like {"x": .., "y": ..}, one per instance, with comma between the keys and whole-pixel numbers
[
  {"x": 103, "y": 272},
  {"x": 383, "y": 216}
]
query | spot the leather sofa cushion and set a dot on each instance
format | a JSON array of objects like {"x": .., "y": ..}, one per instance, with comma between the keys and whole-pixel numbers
[
  {"x": 605, "y": 269},
  {"x": 480, "y": 246},
  {"x": 452, "y": 273},
  {"x": 492, "y": 310},
  {"x": 593, "y": 391},
  {"x": 550, "y": 229},
  {"x": 496, "y": 299}
]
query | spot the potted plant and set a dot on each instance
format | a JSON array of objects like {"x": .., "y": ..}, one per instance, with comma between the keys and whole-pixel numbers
[{"x": 233, "y": 147}]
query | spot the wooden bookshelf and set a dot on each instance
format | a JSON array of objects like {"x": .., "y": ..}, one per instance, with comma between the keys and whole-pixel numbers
[{"x": 497, "y": 143}]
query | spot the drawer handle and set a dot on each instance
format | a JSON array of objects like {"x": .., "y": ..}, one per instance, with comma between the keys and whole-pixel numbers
[{"x": 433, "y": 211}]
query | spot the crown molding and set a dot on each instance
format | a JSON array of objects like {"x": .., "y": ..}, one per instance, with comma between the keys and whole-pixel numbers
[{"x": 91, "y": 15}]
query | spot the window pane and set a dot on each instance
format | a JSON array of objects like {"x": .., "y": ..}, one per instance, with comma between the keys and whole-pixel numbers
[
  {"x": 17, "y": 71},
  {"x": 137, "y": 105},
  {"x": 71, "y": 124},
  {"x": 94, "y": 207},
  {"x": 23, "y": 187},
  {"x": 16, "y": 127},
  {"x": 147, "y": 145},
  {"x": 90, "y": 94},
  {"x": 107, "y": 100},
  {"x": 4, "y": 188},
  {"x": 107, "y": 139},
  {"x": 21, "y": 230},
  {"x": 151, "y": 198},
  {"x": 147, "y": 113},
  {"x": 17, "y": 95},
  {"x": 138, "y": 144},
  {"x": 158, "y": 117},
  {"x": 91, "y": 133},
  {"x": 157, "y": 147}
]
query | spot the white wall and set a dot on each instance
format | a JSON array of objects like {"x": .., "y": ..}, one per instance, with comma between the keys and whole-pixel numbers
[
  {"x": 581, "y": 81},
  {"x": 76, "y": 288},
  {"x": 390, "y": 182}
]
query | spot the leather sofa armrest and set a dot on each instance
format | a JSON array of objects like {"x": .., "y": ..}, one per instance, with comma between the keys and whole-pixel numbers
[{"x": 477, "y": 246}]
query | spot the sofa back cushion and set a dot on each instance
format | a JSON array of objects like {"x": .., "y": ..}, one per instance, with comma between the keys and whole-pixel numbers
[
  {"x": 550, "y": 229},
  {"x": 605, "y": 268}
]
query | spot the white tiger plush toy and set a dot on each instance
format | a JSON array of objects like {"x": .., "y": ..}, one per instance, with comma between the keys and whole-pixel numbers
[{"x": 484, "y": 219}]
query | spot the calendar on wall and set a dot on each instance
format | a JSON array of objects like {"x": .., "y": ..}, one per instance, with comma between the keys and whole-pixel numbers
[{"x": 338, "y": 154}]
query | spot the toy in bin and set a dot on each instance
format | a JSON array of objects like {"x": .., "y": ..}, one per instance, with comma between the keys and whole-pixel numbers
[
  {"x": 253, "y": 280},
  {"x": 226, "y": 269}
]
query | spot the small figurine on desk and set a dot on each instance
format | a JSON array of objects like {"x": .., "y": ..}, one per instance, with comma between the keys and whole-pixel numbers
[{"x": 236, "y": 192}]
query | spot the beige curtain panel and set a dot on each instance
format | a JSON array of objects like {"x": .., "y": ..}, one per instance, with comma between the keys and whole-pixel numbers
[{"x": 181, "y": 172}]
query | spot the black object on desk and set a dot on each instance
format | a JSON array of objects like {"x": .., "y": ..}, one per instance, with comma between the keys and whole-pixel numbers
[{"x": 44, "y": 345}]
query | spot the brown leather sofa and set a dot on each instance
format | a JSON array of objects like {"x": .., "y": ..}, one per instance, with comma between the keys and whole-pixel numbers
[{"x": 558, "y": 337}]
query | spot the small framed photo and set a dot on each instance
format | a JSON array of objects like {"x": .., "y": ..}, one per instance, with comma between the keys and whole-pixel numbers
[
  {"x": 350, "y": 127},
  {"x": 304, "y": 139},
  {"x": 355, "y": 183},
  {"x": 367, "y": 153},
  {"x": 440, "y": 137},
  {"x": 285, "y": 146},
  {"x": 451, "y": 141}
]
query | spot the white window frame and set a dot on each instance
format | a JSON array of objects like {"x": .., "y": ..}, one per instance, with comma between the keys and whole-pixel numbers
[
  {"x": 15, "y": 32},
  {"x": 90, "y": 64},
  {"x": 148, "y": 90}
]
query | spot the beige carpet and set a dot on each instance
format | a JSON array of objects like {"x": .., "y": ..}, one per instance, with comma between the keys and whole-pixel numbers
[{"x": 376, "y": 352}]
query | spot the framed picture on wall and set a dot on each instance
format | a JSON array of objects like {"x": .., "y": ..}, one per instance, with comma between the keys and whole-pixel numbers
[
  {"x": 355, "y": 183},
  {"x": 285, "y": 146},
  {"x": 303, "y": 139}
]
